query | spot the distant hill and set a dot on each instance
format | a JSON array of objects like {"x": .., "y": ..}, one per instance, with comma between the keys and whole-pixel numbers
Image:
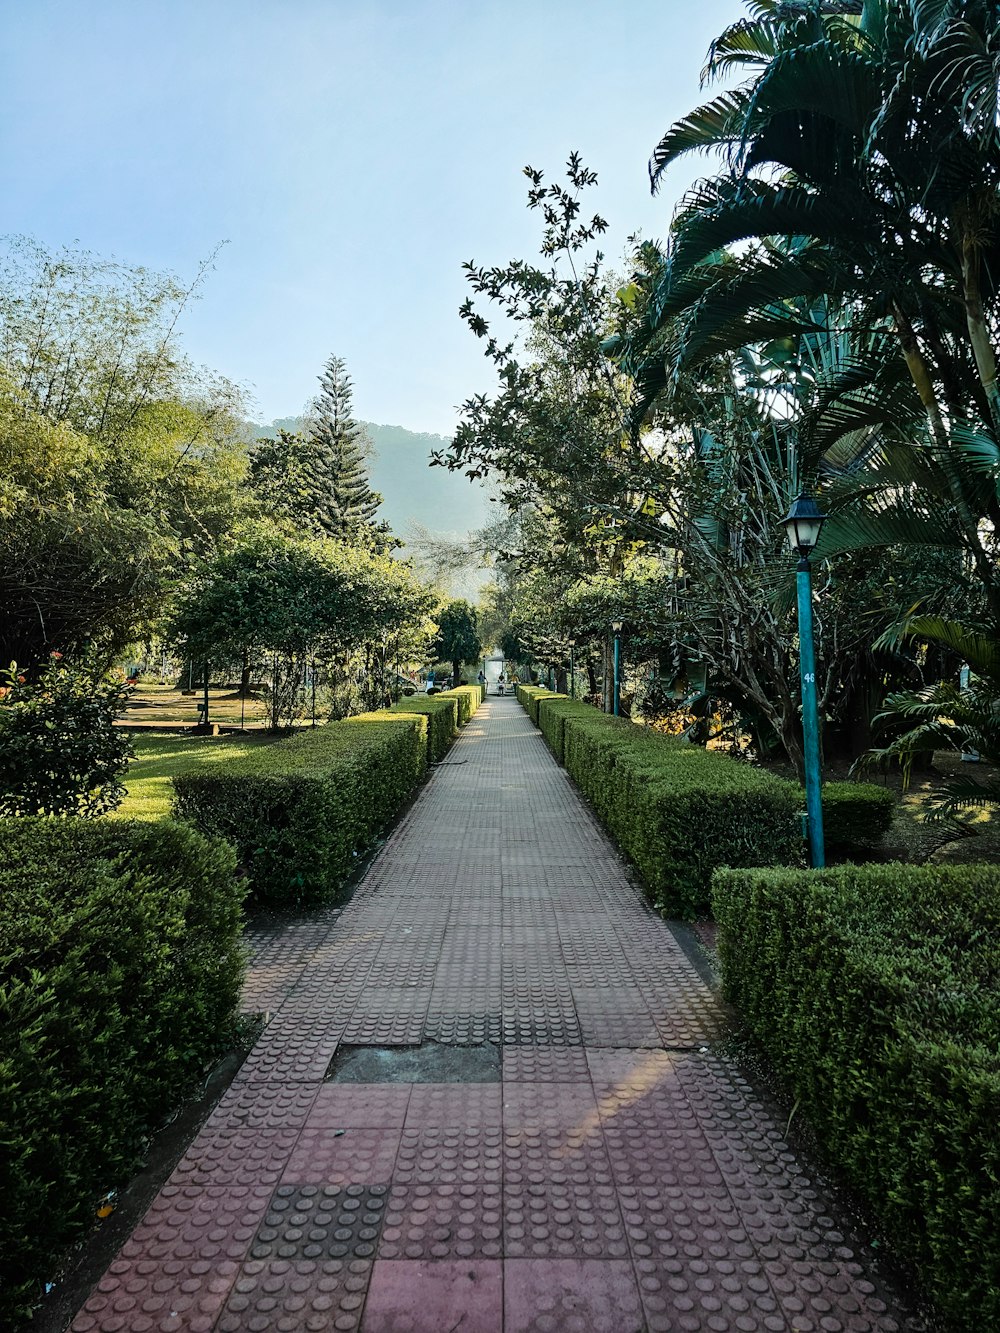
[{"x": 445, "y": 503}]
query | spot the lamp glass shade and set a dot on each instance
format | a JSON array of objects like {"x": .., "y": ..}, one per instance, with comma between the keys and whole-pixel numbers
[
  {"x": 803, "y": 523},
  {"x": 616, "y": 625}
]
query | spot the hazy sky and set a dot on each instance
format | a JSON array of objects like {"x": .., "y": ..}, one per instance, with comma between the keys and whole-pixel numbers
[{"x": 351, "y": 153}]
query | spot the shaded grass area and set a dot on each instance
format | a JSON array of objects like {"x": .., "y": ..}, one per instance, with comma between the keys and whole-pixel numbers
[
  {"x": 166, "y": 706},
  {"x": 149, "y": 782}
]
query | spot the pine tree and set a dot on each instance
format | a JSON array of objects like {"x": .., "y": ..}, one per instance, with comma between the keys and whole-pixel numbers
[{"x": 345, "y": 503}]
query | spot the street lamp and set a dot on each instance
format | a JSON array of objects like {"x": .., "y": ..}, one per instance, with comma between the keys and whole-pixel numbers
[
  {"x": 617, "y": 627},
  {"x": 803, "y": 523}
]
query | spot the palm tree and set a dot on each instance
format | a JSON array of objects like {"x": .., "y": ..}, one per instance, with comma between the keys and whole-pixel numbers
[{"x": 945, "y": 715}]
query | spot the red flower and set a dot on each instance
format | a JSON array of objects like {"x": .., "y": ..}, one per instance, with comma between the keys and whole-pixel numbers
[
  {"x": 21, "y": 679},
  {"x": 57, "y": 656}
]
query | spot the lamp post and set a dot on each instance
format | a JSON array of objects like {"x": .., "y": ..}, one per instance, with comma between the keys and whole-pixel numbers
[
  {"x": 617, "y": 627},
  {"x": 803, "y": 523}
]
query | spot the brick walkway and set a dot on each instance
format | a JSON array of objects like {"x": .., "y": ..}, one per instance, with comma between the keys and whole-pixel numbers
[{"x": 588, "y": 1158}]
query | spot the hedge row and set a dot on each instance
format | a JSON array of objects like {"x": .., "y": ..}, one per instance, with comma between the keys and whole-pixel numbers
[
  {"x": 874, "y": 990},
  {"x": 301, "y": 812},
  {"x": 855, "y": 814},
  {"x": 441, "y": 712},
  {"x": 679, "y": 811},
  {"x": 120, "y": 968},
  {"x": 675, "y": 810}
]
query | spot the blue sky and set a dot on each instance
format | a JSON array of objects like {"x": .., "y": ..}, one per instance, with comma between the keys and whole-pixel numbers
[{"x": 352, "y": 154}]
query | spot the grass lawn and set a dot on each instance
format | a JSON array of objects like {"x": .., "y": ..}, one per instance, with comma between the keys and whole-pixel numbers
[
  {"x": 166, "y": 706},
  {"x": 159, "y": 758}
]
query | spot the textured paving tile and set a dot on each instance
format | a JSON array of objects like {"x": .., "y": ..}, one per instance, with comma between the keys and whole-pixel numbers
[
  {"x": 471, "y": 1157},
  {"x": 320, "y": 1222},
  {"x": 293, "y": 1296},
  {"x": 471, "y": 1105},
  {"x": 350, "y": 1156},
  {"x": 359, "y": 1106},
  {"x": 444, "y": 1221},
  {"x": 545, "y": 1064}
]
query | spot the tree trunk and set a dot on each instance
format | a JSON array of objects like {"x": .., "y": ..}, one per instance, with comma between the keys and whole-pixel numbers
[
  {"x": 979, "y": 335},
  {"x": 245, "y": 675}
]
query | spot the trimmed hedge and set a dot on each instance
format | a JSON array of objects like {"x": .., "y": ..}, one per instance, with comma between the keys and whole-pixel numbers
[
  {"x": 469, "y": 698},
  {"x": 874, "y": 991},
  {"x": 528, "y": 697},
  {"x": 442, "y": 714},
  {"x": 120, "y": 969},
  {"x": 675, "y": 810},
  {"x": 553, "y": 710},
  {"x": 299, "y": 812},
  {"x": 855, "y": 814},
  {"x": 628, "y": 773}
]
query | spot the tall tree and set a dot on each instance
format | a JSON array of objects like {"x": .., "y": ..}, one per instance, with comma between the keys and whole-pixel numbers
[
  {"x": 345, "y": 502},
  {"x": 457, "y": 638}
]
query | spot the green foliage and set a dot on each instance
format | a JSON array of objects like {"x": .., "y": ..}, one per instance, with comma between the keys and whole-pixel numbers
[
  {"x": 159, "y": 759},
  {"x": 299, "y": 599},
  {"x": 442, "y": 714},
  {"x": 457, "y": 639},
  {"x": 874, "y": 991},
  {"x": 855, "y": 814},
  {"x": 677, "y": 811},
  {"x": 469, "y": 698},
  {"x": 119, "y": 462},
  {"x": 300, "y": 812},
  {"x": 60, "y": 752},
  {"x": 343, "y": 504},
  {"x": 120, "y": 968}
]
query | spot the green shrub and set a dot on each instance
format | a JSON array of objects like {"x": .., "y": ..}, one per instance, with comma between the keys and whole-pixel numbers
[
  {"x": 874, "y": 990},
  {"x": 675, "y": 810},
  {"x": 855, "y": 814},
  {"x": 301, "y": 811},
  {"x": 528, "y": 697},
  {"x": 469, "y": 698},
  {"x": 441, "y": 712},
  {"x": 60, "y": 751},
  {"x": 553, "y": 710},
  {"x": 120, "y": 968}
]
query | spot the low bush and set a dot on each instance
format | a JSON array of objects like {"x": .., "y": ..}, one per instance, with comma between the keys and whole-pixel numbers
[
  {"x": 856, "y": 815},
  {"x": 528, "y": 697},
  {"x": 60, "y": 751},
  {"x": 552, "y": 711},
  {"x": 301, "y": 811},
  {"x": 874, "y": 991},
  {"x": 469, "y": 698},
  {"x": 120, "y": 968},
  {"x": 442, "y": 714},
  {"x": 675, "y": 810}
]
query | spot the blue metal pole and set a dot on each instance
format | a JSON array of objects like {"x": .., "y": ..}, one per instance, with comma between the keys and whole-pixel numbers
[
  {"x": 618, "y": 647},
  {"x": 810, "y": 716}
]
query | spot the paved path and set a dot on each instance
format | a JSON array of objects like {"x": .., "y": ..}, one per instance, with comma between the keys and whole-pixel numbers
[{"x": 571, "y": 1150}]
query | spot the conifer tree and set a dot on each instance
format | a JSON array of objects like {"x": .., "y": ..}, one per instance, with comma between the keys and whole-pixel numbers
[{"x": 345, "y": 503}]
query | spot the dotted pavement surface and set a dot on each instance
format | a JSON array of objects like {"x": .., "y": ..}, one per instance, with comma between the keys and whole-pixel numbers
[{"x": 607, "y": 1169}]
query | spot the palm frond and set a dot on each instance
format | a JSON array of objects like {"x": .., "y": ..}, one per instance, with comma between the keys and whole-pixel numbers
[
  {"x": 717, "y": 124},
  {"x": 893, "y": 524},
  {"x": 980, "y": 651},
  {"x": 750, "y": 42},
  {"x": 721, "y": 212},
  {"x": 823, "y": 79}
]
